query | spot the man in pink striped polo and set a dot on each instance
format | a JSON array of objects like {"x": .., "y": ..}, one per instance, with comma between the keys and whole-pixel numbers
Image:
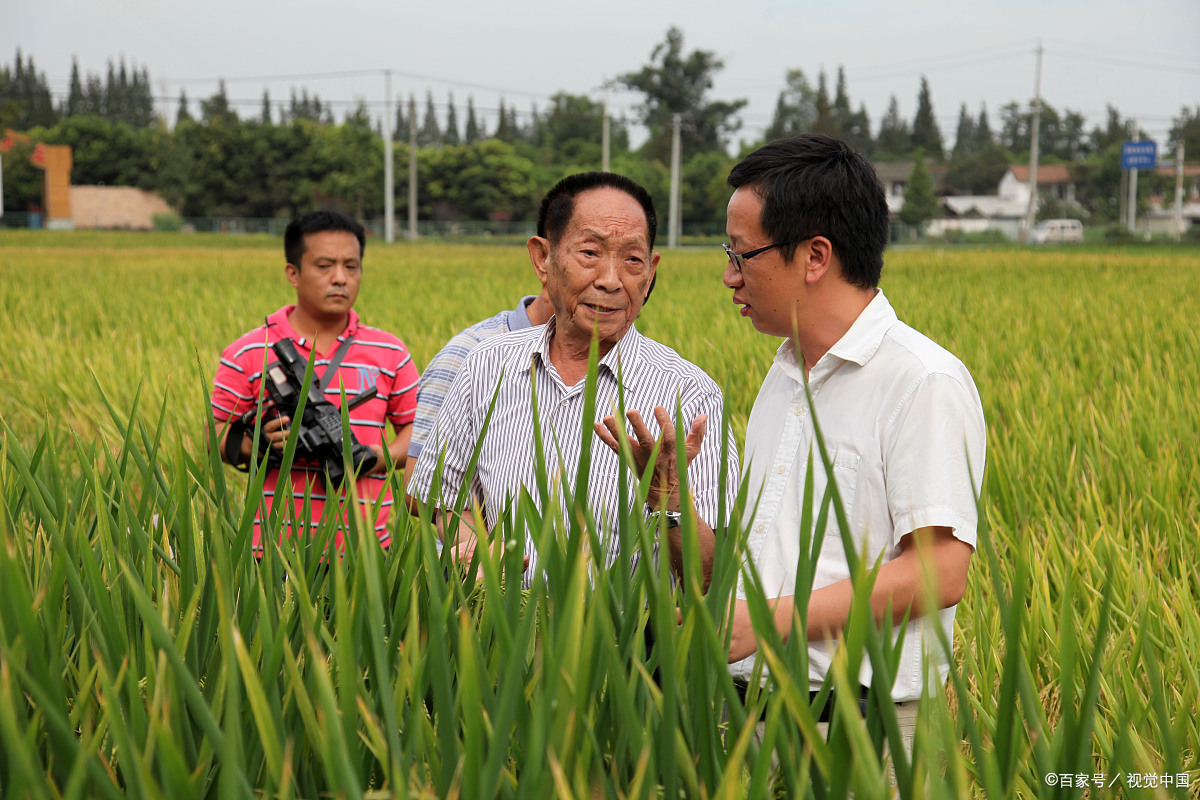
[{"x": 324, "y": 252}]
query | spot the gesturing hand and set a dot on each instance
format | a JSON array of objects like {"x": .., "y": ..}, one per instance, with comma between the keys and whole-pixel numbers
[{"x": 664, "y": 486}]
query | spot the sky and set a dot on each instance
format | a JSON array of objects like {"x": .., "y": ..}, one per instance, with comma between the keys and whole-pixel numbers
[{"x": 1142, "y": 58}]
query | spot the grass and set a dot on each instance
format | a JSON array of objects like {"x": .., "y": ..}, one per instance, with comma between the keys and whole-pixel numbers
[{"x": 142, "y": 653}]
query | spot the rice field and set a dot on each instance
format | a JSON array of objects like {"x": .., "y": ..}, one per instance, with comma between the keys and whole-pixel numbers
[{"x": 144, "y": 654}]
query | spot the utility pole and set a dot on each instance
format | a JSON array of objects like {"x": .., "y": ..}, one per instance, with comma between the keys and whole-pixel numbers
[
  {"x": 412, "y": 169},
  {"x": 1031, "y": 212},
  {"x": 673, "y": 213},
  {"x": 389, "y": 174},
  {"x": 604, "y": 133},
  {"x": 1133, "y": 176},
  {"x": 1178, "y": 189}
]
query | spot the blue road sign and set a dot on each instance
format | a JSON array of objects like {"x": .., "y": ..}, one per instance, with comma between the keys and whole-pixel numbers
[{"x": 1139, "y": 155}]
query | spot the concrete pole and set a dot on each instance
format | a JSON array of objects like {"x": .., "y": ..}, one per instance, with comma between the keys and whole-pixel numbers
[
  {"x": 604, "y": 131},
  {"x": 412, "y": 168},
  {"x": 1131, "y": 185},
  {"x": 673, "y": 212},
  {"x": 1178, "y": 190},
  {"x": 389, "y": 173},
  {"x": 1031, "y": 211},
  {"x": 1133, "y": 173}
]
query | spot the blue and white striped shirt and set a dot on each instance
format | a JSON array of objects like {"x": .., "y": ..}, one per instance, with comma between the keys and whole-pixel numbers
[
  {"x": 442, "y": 369},
  {"x": 654, "y": 375}
]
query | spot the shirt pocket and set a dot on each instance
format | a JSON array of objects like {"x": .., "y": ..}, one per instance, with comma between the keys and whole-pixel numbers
[{"x": 845, "y": 475}]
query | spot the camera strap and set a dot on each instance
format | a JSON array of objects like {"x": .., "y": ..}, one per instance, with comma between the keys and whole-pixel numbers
[{"x": 331, "y": 370}]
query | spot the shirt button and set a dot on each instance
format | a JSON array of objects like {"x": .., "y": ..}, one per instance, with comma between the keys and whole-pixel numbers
[
  {"x": 781, "y": 469},
  {"x": 796, "y": 410},
  {"x": 760, "y": 527}
]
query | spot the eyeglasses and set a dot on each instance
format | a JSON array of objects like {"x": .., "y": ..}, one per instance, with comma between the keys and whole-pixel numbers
[{"x": 736, "y": 259}]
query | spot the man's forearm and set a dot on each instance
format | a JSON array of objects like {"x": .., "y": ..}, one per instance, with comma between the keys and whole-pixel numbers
[{"x": 918, "y": 581}]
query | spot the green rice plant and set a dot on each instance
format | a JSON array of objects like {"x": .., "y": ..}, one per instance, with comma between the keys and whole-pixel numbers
[{"x": 144, "y": 652}]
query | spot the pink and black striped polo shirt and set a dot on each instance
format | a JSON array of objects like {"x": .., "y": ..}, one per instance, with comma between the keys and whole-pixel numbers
[{"x": 375, "y": 358}]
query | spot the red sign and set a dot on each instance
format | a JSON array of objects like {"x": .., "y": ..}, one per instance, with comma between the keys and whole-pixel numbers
[
  {"x": 39, "y": 155},
  {"x": 6, "y": 144}
]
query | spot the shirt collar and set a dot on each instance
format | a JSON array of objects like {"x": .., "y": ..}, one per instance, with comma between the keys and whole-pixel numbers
[
  {"x": 865, "y": 336},
  {"x": 279, "y": 323},
  {"x": 623, "y": 357},
  {"x": 858, "y": 344},
  {"x": 518, "y": 318}
]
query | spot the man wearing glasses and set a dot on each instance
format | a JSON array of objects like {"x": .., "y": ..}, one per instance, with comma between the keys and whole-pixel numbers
[{"x": 900, "y": 417}]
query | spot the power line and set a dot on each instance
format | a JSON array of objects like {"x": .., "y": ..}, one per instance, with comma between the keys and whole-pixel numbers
[
  {"x": 1121, "y": 62},
  {"x": 1005, "y": 49},
  {"x": 1189, "y": 60},
  {"x": 942, "y": 66}
]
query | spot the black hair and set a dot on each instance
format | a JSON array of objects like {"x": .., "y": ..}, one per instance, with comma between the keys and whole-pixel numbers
[
  {"x": 559, "y": 204},
  {"x": 318, "y": 222},
  {"x": 815, "y": 184}
]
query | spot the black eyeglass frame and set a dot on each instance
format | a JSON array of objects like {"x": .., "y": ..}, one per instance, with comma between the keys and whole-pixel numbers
[{"x": 736, "y": 259}]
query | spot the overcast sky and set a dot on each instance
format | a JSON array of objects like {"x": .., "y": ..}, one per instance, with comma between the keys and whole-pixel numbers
[{"x": 1142, "y": 58}]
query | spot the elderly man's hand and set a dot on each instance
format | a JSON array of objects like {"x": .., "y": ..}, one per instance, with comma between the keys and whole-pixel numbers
[
  {"x": 664, "y": 487},
  {"x": 463, "y": 552}
]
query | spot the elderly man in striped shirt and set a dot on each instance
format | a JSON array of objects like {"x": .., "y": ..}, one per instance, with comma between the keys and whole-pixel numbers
[{"x": 594, "y": 254}]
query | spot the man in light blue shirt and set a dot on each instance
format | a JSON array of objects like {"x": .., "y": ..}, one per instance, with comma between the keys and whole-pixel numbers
[{"x": 442, "y": 369}]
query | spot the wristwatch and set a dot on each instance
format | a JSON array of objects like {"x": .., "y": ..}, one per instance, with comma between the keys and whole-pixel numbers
[{"x": 673, "y": 518}]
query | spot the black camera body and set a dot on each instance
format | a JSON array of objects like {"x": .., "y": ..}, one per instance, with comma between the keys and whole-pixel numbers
[{"x": 320, "y": 434}]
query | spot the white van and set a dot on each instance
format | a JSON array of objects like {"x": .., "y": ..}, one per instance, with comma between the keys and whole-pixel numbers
[{"x": 1057, "y": 231}]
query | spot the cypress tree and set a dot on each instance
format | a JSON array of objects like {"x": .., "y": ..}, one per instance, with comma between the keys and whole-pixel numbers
[
  {"x": 451, "y": 136},
  {"x": 925, "y": 132},
  {"x": 473, "y": 134},
  {"x": 183, "y": 115}
]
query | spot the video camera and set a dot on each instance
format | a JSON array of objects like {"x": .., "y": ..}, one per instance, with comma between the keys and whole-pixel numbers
[{"x": 320, "y": 434}]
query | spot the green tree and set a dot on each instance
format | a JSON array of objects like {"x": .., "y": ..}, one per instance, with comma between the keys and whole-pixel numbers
[
  {"x": 306, "y": 107},
  {"x": 265, "y": 114},
  {"x": 926, "y": 136},
  {"x": 965, "y": 142},
  {"x": 472, "y": 133},
  {"x": 678, "y": 83},
  {"x": 1185, "y": 129},
  {"x": 795, "y": 110},
  {"x": 1115, "y": 131},
  {"x": 486, "y": 180},
  {"x": 504, "y": 131},
  {"x": 75, "y": 96},
  {"x": 983, "y": 131},
  {"x": 106, "y": 152},
  {"x": 400, "y": 125},
  {"x": 857, "y": 130},
  {"x": 183, "y": 115},
  {"x": 893, "y": 140},
  {"x": 920, "y": 202},
  {"x": 430, "y": 133},
  {"x": 571, "y": 131},
  {"x": 451, "y": 136},
  {"x": 977, "y": 172},
  {"x": 25, "y": 100},
  {"x": 826, "y": 121},
  {"x": 216, "y": 109},
  {"x": 701, "y": 205}
]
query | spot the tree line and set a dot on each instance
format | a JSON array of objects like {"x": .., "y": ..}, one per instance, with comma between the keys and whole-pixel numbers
[{"x": 288, "y": 159}]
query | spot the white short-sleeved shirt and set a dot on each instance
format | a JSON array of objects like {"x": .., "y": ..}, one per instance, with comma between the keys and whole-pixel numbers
[
  {"x": 652, "y": 375},
  {"x": 903, "y": 425}
]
